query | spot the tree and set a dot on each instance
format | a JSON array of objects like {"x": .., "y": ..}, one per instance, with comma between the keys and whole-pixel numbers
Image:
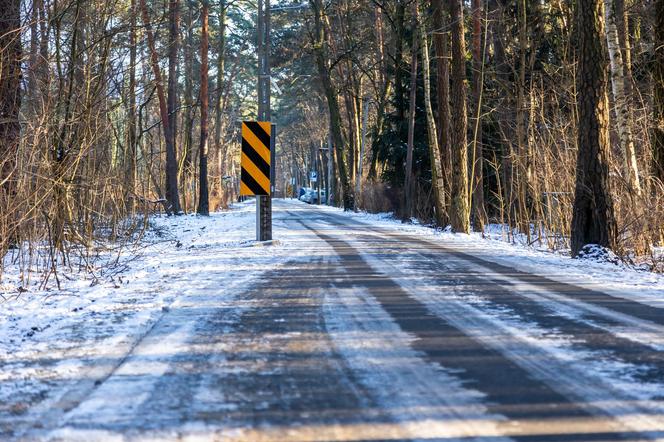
[
  {"x": 132, "y": 136},
  {"x": 620, "y": 98},
  {"x": 658, "y": 136},
  {"x": 434, "y": 152},
  {"x": 221, "y": 69},
  {"x": 340, "y": 147},
  {"x": 172, "y": 195},
  {"x": 10, "y": 106},
  {"x": 187, "y": 151},
  {"x": 203, "y": 203},
  {"x": 172, "y": 192},
  {"x": 459, "y": 212},
  {"x": 593, "y": 219},
  {"x": 408, "y": 181},
  {"x": 477, "y": 165},
  {"x": 440, "y": 40}
]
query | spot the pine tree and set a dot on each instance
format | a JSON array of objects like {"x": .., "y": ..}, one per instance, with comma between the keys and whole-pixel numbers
[{"x": 593, "y": 219}]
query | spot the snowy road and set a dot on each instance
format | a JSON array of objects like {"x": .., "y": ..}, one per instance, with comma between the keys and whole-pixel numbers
[{"x": 372, "y": 333}]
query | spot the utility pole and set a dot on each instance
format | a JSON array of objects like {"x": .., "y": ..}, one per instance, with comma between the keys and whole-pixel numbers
[{"x": 264, "y": 203}]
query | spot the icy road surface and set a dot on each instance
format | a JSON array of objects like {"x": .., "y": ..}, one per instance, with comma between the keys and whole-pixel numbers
[{"x": 347, "y": 329}]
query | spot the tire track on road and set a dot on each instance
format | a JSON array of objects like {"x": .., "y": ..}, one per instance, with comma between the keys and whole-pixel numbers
[{"x": 536, "y": 411}]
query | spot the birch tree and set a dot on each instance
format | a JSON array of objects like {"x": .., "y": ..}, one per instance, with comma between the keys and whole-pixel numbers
[
  {"x": 621, "y": 102},
  {"x": 434, "y": 152}
]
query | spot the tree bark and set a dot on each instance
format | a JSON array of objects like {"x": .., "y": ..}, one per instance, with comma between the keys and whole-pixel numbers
[
  {"x": 172, "y": 166},
  {"x": 173, "y": 206},
  {"x": 440, "y": 40},
  {"x": 221, "y": 60},
  {"x": 398, "y": 65},
  {"x": 523, "y": 176},
  {"x": 434, "y": 152},
  {"x": 479, "y": 214},
  {"x": 130, "y": 164},
  {"x": 460, "y": 213},
  {"x": 620, "y": 98},
  {"x": 658, "y": 78},
  {"x": 593, "y": 219},
  {"x": 408, "y": 182},
  {"x": 203, "y": 198},
  {"x": 187, "y": 173},
  {"x": 504, "y": 113}
]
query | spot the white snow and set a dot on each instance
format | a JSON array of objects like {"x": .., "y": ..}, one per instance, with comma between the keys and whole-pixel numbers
[
  {"x": 54, "y": 344},
  {"x": 621, "y": 280}
]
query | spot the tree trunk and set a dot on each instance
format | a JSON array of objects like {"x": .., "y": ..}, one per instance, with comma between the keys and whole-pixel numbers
[
  {"x": 340, "y": 147},
  {"x": 622, "y": 25},
  {"x": 460, "y": 213},
  {"x": 503, "y": 113},
  {"x": 398, "y": 65},
  {"x": 221, "y": 59},
  {"x": 10, "y": 127},
  {"x": 658, "y": 136},
  {"x": 477, "y": 167},
  {"x": 440, "y": 40},
  {"x": 187, "y": 173},
  {"x": 408, "y": 182},
  {"x": 523, "y": 177},
  {"x": 203, "y": 199},
  {"x": 172, "y": 166},
  {"x": 130, "y": 164},
  {"x": 593, "y": 220},
  {"x": 620, "y": 98},
  {"x": 434, "y": 153},
  {"x": 173, "y": 206}
]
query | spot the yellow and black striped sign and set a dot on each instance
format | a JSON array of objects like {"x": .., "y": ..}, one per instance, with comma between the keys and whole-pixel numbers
[{"x": 255, "y": 176}]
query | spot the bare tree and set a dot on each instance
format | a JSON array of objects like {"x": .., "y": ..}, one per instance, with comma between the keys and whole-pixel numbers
[
  {"x": 477, "y": 165},
  {"x": 10, "y": 106},
  {"x": 441, "y": 44},
  {"x": 620, "y": 98},
  {"x": 408, "y": 181},
  {"x": 340, "y": 147},
  {"x": 434, "y": 153},
  {"x": 658, "y": 136},
  {"x": 132, "y": 136},
  {"x": 221, "y": 68},
  {"x": 203, "y": 199},
  {"x": 172, "y": 194},
  {"x": 460, "y": 210}
]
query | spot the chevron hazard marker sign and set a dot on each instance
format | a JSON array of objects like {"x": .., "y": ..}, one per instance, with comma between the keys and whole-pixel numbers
[{"x": 255, "y": 176}]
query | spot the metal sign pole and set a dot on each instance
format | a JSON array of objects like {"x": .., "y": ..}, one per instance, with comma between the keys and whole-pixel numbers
[{"x": 264, "y": 203}]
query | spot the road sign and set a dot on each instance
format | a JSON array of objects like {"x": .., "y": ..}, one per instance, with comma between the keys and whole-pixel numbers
[
  {"x": 255, "y": 175},
  {"x": 313, "y": 175}
]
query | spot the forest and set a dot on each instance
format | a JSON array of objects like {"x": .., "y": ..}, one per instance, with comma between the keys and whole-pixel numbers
[{"x": 542, "y": 117}]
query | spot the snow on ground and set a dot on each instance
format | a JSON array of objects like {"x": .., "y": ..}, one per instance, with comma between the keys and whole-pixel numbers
[
  {"x": 52, "y": 339},
  {"x": 614, "y": 279}
]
